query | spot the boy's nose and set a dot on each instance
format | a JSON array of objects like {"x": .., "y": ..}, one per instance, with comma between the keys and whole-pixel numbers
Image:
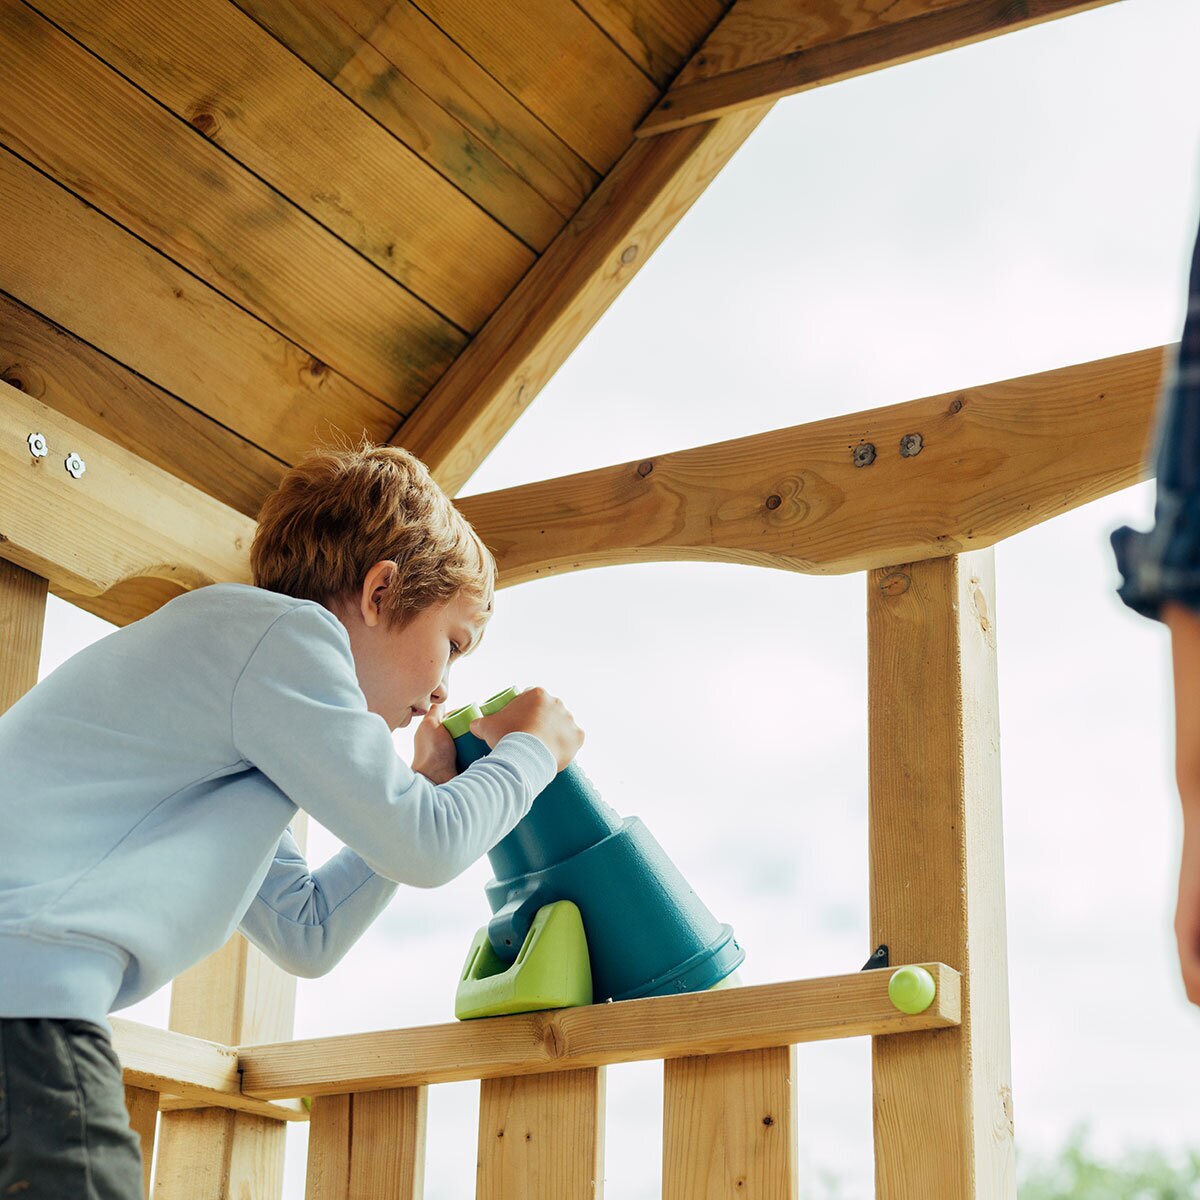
[{"x": 439, "y": 693}]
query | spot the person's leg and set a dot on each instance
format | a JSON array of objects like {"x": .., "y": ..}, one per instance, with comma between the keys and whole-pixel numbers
[{"x": 64, "y": 1131}]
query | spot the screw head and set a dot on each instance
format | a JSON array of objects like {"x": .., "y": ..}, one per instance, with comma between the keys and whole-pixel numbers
[
  {"x": 75, "y": 465},
  {"x": 910, "y": 445},
  {"x": 864, "y": 455},
  {"x": 38, "y": 446}
]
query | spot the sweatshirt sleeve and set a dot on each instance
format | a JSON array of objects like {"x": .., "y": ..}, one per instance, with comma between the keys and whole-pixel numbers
[
  {"x": 299, "y": 716},
  {"x": 306, "y": 920}
]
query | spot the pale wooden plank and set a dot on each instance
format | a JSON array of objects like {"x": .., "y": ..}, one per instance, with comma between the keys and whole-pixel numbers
[
  {"x": 328, "y": 1173},
  {"x": 75, "y": 379},
  {"x": 143, "y": 1120},
  {"x": 71, "y": 116},
  {"x": 123, "y": 519},
  {"x": 22, "y": 619},
  {"x": 387, "y": 1145},
  {"x": 235, "y": 995},
  {"x": 399, "y": 67},
  {"x": 993, "y": 460},
  {"x": 943, "y": 1101},
  {"x": 541, "y": 1137},
  {"x": 729, "y": 1126},
  {"x": 557, "y": 63},
  {"x": 214, "y": 67},
  {"x": 548, "y": 314},
  {"x": 716, "y": 1022},
  {"x": 659, "y": 35},
  {"x": 767, "y": 49},
  {"x": 74, "y": 266}
]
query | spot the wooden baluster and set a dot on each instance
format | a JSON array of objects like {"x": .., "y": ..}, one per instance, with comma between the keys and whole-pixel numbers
[
  {"x": 541, "y": 1137},
  {"x": 943, "y": 1099},
  {"x": 143, "y": 1120},
  {"x": 368, "y": 1146},
  {"x": 729, "y": 1126},
  {"x": 22, "y": 617}
]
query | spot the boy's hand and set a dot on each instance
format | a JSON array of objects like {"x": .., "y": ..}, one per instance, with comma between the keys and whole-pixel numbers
[
  {"x": 534, "y": 711},
  {"x": 433, "y": 748}
]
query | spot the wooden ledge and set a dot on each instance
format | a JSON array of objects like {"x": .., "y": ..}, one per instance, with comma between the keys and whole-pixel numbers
[
  {"x": 720, "y": 1022},
  {"x": 188, "y": 1072}
]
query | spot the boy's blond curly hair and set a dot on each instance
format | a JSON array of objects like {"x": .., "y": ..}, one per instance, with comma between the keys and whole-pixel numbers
[{"x": 340, "y": 511}]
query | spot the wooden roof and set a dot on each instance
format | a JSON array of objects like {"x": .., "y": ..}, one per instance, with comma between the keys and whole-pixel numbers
[{"x": 235, "y": 228}]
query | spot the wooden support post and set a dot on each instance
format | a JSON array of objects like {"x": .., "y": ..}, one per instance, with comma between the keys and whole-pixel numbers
[
  {"x": 943, "y": 1099},
  {"x": 541, "y": 1137},
  {"x": 368, "y": 1146},
  {"x": 143, "y": 1120},
  {"x": 729, "y": 1126},
  {"x": 234, "y": 996},
  {"x": 22, "y": 616}
]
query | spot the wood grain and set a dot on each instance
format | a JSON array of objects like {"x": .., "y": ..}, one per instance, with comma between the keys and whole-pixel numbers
[
  {"x": 729, "y": 1126},
  {"x": 548, "y": 314},
  {"x": 75, "y": 379},
  {"x": 142, "y": 1106},
  {"x": 68, "y": 262},
  {"x": 218, "y": 70},
  {"x": 22, "y": 619},
  {"x": 658, "y": 35},
  {"x": 717, "y": 1022},
  {"x": 541, "y": 1137},
  {"x": 400, "y": 68},
  {"x": 993, "y": 460},
  {"x": 75, "y": 119},
  {"x": 767, "y": 49},
  {"x": 943, "y": 1100}
]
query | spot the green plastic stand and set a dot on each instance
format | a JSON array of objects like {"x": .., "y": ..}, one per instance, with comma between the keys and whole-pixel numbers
[{"x": 552, "y": 969}]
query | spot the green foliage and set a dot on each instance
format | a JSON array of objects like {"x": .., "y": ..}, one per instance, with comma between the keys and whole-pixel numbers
[{"x": 1076, "y": 1173}]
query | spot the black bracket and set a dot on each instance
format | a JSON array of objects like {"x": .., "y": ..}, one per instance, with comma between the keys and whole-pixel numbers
[{"x": 878, "y": 959}]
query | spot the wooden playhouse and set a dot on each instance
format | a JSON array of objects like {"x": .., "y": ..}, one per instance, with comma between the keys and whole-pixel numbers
[{"x": 233, "y": 226}]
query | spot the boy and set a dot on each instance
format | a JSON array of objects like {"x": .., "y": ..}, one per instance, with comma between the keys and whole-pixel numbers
[{"x": 148, "y": 783}]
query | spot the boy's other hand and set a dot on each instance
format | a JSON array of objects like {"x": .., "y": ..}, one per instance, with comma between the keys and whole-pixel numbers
[
  {"x": 433, "y": 748},
  {"x": 534, "y": 711}
]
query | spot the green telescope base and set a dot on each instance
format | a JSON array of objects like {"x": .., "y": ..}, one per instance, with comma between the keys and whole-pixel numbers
[{"x": 552, "y": 970}]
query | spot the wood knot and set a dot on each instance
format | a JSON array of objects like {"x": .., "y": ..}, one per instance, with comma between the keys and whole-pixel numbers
[
  {"x": 956, "y": 404},
  {"x": 203, "y": 122},
  {"x": 629, "y": 254},
  {"x": 768, "y": 1120},
  {"x": 645, "y": 468},
  {"x": 774, "y": 501},
  {"x": 316, "y": 368},
  {"x": 895, "y": 584}
]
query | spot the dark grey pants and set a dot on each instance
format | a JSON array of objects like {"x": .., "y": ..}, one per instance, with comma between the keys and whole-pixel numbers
[{"x": 64, "y": 1131}]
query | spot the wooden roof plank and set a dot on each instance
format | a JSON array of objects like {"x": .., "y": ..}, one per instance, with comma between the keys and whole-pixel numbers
[
  {"x": 79, "y": 121},
  {"x": 559, "y": 64},
  {"x": 72, "y": 264},
  {"x": 766, "y": 49},
  {"x": 658, "y": 35},
  {"x": 75, "y": 379},
  {"x": 399, "y": 67},
  {"x": 215, "y": 68},
  {"x": 990, "y": 462},
  {"x": 496, "y": 378}
]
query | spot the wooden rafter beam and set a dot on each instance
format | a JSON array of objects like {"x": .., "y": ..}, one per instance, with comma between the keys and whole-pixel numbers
[
  {"x": 990, "y": 462},
  {"x": 718, "y": 1022},
  {"x": 546, "y": 316},
  {"x": 121, "y": 521},
  {"x": 766, "y": 49}
]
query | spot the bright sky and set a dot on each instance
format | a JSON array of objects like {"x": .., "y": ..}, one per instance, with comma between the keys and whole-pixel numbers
[{"x": 1006, "y": 208}]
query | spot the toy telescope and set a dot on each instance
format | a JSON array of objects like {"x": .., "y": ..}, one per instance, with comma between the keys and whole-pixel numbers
[{"x": 585, "y": 906}]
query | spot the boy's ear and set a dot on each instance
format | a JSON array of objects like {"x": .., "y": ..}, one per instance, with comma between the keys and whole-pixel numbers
[{"x": 377, "y": 581}]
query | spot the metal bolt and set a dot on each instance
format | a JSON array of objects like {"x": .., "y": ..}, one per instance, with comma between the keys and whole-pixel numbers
[
  {"x": 910, "y": 445},
  {"x": 75, "y": 465},
  {"x": 38, "y": 446},
  {"x": 864, "y": 455}
]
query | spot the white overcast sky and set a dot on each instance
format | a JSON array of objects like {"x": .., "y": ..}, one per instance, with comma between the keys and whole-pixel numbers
[{"x": 1006, "y": 208}]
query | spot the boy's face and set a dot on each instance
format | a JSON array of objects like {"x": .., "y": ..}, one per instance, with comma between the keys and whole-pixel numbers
[{"x": 405, "y": 671}]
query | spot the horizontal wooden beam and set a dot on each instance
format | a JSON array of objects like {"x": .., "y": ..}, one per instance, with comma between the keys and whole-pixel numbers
[
  {"x": 912, "y": 481},
  {"x": 749, "y": 1018},
  {"x": 491, "y": 383},
  {"x": 766, "y": 49},
  {"x": 191, "y": 1072},
  {"x": 121, "y": 520}
]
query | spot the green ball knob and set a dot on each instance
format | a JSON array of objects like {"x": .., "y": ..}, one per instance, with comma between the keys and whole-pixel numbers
[{"x": 911, "y": 990}]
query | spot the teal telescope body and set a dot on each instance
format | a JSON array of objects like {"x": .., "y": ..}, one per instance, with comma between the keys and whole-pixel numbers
[{"x": 647, "y": 932}]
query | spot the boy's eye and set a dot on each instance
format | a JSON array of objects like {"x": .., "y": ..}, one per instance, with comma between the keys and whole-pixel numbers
[{"x": 455, "y": 648}]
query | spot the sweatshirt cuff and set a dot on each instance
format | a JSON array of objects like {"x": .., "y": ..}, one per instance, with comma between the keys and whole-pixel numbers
[{"x": 532, "y": 758}]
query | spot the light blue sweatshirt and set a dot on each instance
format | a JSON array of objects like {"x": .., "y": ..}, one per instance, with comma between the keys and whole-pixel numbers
[{"x": 147, "y": 784}]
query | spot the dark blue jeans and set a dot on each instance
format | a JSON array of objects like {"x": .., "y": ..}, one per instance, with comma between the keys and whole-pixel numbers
[
  {"x": 64, "y": 1131},
  {"x": 1164, "y": 564}
]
